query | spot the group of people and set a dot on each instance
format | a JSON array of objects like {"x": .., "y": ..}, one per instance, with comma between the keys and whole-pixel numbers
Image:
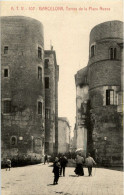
[
  {"x": 60, "y": 164},
  {"x": 80, "y": 161}
]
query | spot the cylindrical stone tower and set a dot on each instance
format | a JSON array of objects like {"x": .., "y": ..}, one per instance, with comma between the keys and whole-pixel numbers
[
  {"x": 104, "y": 84},
  {"x": 22, "y": 50}
]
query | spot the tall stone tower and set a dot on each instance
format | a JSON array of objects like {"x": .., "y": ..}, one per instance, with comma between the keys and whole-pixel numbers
[
  {"x": 51, "y": 102},
  {"x": 104, "y": 73},
  {"x": 22, "y": 51}
]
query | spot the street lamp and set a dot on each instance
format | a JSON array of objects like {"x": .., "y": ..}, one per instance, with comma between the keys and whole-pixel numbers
[{"x": 105, "y": 138}]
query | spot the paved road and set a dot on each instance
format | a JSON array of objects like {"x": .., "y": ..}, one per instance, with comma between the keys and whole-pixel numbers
[{"x": 38, "y": 179}]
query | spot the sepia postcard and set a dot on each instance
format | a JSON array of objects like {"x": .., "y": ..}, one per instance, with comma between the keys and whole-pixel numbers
[{"x": 61, "y": 97}]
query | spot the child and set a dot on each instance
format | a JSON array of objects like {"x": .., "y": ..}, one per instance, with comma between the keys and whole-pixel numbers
[
  {"x": 56, "y": 167},
  {"x": 8, "y": 164}
]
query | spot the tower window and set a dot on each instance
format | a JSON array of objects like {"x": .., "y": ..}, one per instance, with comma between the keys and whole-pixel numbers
[
  {"x": 46, "y": 63},
  {"x": 39, "y": 52},
  {"x": 113, "y": 53},
  {"x": 5, "y": 72},
  {"x": 47, "y": 113},
  {"x": 92, "y": 50},
  {"x": 40, "y": 108},
  {"x": 13, "y": 140},
  {"x": 39, "y": 73},
  {"x": 110, "y": 97},
  {"x": 6, "y": 50},
  {"x": 7, "y": 106},
  {"x": 47, "y": 82}
]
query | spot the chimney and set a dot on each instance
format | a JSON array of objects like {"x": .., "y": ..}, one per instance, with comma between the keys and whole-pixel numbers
[{"x": 51, "y": 48}]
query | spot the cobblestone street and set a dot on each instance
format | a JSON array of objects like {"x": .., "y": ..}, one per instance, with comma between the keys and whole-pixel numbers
[{"x": 38, "y": 180}]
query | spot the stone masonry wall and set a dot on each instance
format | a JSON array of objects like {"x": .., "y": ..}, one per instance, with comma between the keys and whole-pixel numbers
[
  {"x": 23, "y": 36},
  {"x": 103, "y": 74},
  {"x": 50, "y": 104}
]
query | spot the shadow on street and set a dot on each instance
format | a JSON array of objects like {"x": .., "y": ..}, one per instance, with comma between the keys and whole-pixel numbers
[{"x": 115, "y": 168}]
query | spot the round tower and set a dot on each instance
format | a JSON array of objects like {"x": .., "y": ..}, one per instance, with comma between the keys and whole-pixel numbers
[
  {"x": 104, "y": 84},
  {"x": 22, "y": 50}
]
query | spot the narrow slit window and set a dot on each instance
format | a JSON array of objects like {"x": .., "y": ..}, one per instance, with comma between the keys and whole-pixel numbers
[
  {"x": 6, "y": 73},
  {"x": 113, "y": 53},
  {"x": 40, "y": 108},
  {"x": 13, "y": 140},
  {"x": 39, "y": 73},
  {"x": 6, "y": 50},
  {"x": 109, "y": 97},
  {"x": 47, "y": 82},
  {"x": 39, "y": 52},
  {"x": 92, "y": 50}
]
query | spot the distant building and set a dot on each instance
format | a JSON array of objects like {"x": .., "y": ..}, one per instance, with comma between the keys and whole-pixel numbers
[
  {"x": 82, "y": 95},
  {"x": 63, "y": 135},
  {"x": 105, "y": 83},
  {"x": 22, "y": 85},
  {"x": 74, "y": 143},
  {"x": 51, "y": 70}
]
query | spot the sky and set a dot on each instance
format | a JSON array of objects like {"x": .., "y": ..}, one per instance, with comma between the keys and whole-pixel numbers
[{"x": 68, "y": 31}]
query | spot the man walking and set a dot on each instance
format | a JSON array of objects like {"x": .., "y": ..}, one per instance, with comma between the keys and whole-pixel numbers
[
  {"x": 63, "y": 163},
  {"x": 56, "y": 167},
  {"x": 45, "y": 158},
  {"x": 89, "y": 163}
]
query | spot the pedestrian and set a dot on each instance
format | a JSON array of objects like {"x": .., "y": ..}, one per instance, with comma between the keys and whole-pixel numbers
[
  {"x": 8, "y": 164},
  {"x": 56, "y": 167},
  {"x": 89, "y": 163},
  {"x": 63, "y": 164},
  {"x": 79, "y": 165},
  {"x": 45, "y": 158}
]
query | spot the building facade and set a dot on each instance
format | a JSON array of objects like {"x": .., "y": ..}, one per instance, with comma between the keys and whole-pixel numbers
[
  {"x": 82, "y": 97},
  {"x": 22, "y": 85},
  {"x": 105, "y": 92},
  {"x": 63, "y": 135},
  {"x": 51, "y": 102}
]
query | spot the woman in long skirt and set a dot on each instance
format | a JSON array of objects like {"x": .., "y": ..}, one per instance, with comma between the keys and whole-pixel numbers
[{"x": 79, "y": 165}]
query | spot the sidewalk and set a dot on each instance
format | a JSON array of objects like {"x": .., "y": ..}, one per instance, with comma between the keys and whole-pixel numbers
[{"x": 38, "y": 180}]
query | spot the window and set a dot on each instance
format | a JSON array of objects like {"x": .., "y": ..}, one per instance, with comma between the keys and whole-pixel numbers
[
  {"x": 39, "y": 73},
  {"x": 46, "y": 63},
  {"x": 7, "y": 106},
  {"x": 40, "y": 108},
  {"x": 39, "y": 52},
  {"x": 113, "y": 53},
  {"x": 13, "y": 140},
  {"x": 5, "y": 72},
  {"x": 92, "y": 50},
  {"x": 6, "y": 50},
  {"x": 109, "y": 97},
  {"x": 47, "y": 82},
  {"x": 47, "y": 113}
]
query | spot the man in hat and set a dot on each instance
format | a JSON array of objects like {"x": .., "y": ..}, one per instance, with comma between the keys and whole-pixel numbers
[
  {"x": 63, "y": 163},
  {"x": 89, "y": 163},
  {"x": 56, "y": 167}
]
